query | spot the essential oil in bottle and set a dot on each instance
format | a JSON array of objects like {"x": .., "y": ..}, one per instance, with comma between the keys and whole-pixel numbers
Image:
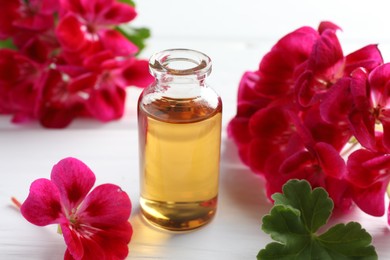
[{"x": 179, "y": 118}]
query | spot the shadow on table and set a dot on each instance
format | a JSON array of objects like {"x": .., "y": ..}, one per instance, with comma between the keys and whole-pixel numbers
[{"x": 242, "y": 188}]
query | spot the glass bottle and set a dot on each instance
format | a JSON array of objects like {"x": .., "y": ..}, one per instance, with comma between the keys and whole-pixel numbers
[{"x": 179, "y": 121}]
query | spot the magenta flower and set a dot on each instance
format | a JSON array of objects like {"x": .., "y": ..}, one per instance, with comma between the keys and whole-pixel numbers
[
  {"x": 371, "y": 95},
  {"x": 87, "y": 27},
  {"x": 369, "y": 176},
  {"x": 95, "y": 225},
  {"x": 19, "y": 85},
  {"x": 20, "y": 17},
  {"x": 74, "y": 58},
  {"x": 298, "y": 112}
]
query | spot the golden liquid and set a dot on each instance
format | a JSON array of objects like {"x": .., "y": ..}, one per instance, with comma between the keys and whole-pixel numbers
[{"x": 179, "y": 163}]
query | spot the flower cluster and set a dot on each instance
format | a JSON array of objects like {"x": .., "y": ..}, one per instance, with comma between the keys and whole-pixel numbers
[
  {"x": 64, "y": 59},
  {"x": 94, "y": 225},
  {"x": 309, "y": 112}
]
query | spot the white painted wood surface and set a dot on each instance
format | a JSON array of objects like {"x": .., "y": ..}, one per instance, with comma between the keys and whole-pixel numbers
[{"x": 235, "y": 34}]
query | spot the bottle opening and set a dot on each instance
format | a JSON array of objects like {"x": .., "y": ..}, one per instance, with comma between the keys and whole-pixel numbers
[{"x": 180, "y": 62}]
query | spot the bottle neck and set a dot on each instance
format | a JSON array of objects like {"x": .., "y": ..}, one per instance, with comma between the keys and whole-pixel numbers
[{"x": 180, "y": 66}]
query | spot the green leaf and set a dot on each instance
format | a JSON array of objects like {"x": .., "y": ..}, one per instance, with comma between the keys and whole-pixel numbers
[
  {"x": 135, "y": 35},
  {"x": 129, "y": 2},
  {"x": 294, "y": 220},
  {"x": 7, "y": 44},
  {"x": 315, "y": 207}
]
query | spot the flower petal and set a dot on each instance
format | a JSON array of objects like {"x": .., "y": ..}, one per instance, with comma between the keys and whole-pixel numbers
[
  {"x": 107, "y": 103},
  {"x": 137, "y": 74},
  {"x": 98, "y": 242},
  {"x": 337, "y": 102},
  {"x": 106, "y": 205},
  {"x": 70, "y": 34},
  {"x": 74, "y": 243},
  {"x": 330, "y": 160},
  {"x": 372, "y": 199},
  {"x": 42, "y": 206},
  {"x": 114, "y": 240},
  {"x": 74, "y": 180},
  {"x": 368, "y": 57},
  {"x": 117, "y": 43},
  {"x": 118, "y": 13}
]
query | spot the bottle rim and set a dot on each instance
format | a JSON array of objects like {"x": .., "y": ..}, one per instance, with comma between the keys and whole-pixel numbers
[{"x": 180, "y": 62}]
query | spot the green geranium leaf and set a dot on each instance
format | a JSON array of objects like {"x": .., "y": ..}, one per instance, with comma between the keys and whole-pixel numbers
[
  {"x": 295, "y": 218},
  {"x": 315, "y": 206},
  {"x": 7, "y": 44},
  {"x": 135, "y": 35},
  {"x": 129, "y": 2}
]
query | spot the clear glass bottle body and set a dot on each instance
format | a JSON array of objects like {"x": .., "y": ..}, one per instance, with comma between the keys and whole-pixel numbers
[{"x": 179, "y": 120}]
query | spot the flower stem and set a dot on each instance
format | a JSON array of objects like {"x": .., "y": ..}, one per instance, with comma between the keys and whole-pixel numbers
[{"x": 16, "y": 202}]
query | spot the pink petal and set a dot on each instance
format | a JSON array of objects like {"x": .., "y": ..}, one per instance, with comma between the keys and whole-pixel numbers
[
  {"x": 37, "y": 50},
  {"x": 73, "y": 241},
  {"x": 8, "y": 14},
  {"x": 37, "y": 22},
  {"x": 91, "y": 249},
  {"x": 48, "y": 6},
  {"x": 362, "y": 126},
  {"x": 330, "y": 160},
  {"x": 377, "y": 163},
  {"x": 326, "y": 25},
  {"x": 75, "y": 6},
  {"x": 107, "y": 102},
  {"x": 385, "y": 120},
  {"x": 83, "y": 82},
  {"x": 247, "y": 84},
  {"x": 119, "y": 13},
  {"x": 137, "y": 74},
  {"x": 59, "y": 106},
  {"x": 113, "y": 240},
  {"x": 335, "y": 134},
  {"x": 372, "y": 199},
  {"x": 327, "y": 55},
  {"x": 296, "y": 161},
  {"x": 270, "y": 122},
  {"x": 106, "y": 205},
  {"x": 94, "y": 62},
  {"x": 74, "y": 180},
  {"x": 278, "y": 67},
  {"x": 337, "y": 102},
  {"x": 305, "y": 90},
  {"x": 368, "y": 57},
  {"x": 117, "y": 43},
  {"x": 70, "y": 35},
  {"x": 42, "y": 206},
  {"x": 89, "y": 242},
  {"x": 378, "y": 80},
  {"x": 340, "y": 192},
  {"x": 239, "y": 131},
  {"x": 358, "y": 175}
]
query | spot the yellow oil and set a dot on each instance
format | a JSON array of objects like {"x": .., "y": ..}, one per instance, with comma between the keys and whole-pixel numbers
[{"x": 179, "y": 162}]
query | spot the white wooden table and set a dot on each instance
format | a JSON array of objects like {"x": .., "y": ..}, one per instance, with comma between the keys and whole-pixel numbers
[{"x": 235, "y": 34}]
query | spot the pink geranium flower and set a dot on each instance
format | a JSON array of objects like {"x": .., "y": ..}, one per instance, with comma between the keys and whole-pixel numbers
[
  {"x": 19, "y": 85},
  {"x": 369, "y": 176},
  {"x": 87, "y": 27},
  {"x": 372, "y": 109},
  {"x": 73, "y": 59},
  {"x": 297, "y": 114},
  {"x": 95, "y": 224}
]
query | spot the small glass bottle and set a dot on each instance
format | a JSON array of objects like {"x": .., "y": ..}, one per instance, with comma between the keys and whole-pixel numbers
[{"x": 179, "y": 120}]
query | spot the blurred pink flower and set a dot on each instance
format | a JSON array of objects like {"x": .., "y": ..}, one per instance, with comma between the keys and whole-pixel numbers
[{"x": 77, "y": 60}]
